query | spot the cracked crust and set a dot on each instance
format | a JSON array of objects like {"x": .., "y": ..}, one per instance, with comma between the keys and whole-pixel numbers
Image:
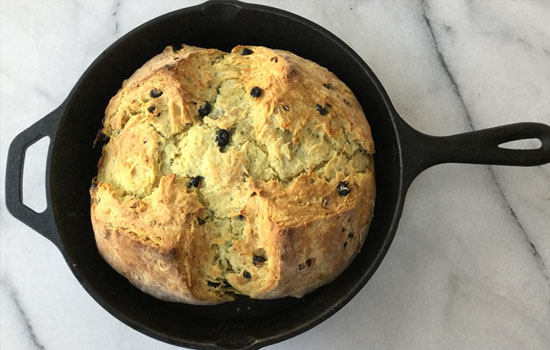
[{"x": 187, "y": 220}]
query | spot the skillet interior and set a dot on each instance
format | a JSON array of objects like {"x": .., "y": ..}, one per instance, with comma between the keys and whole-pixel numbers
[{"x": 220, "y": 25}]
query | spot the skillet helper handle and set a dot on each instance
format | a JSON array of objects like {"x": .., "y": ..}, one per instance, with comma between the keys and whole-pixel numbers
[
  {"x": 44, "y": 222},
  {"x": 422, "y": 151}
]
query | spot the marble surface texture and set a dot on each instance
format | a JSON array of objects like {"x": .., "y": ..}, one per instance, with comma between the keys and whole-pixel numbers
[{"x": 470, "y": 264}]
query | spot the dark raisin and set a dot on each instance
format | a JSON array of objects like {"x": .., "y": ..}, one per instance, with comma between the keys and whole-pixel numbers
[
  {"x": 274, "y": 59},
  {"x": 223, "y": 137},
  {"x": 100, "y": 139},
  {"x": 327, "y": 85},
  {"x": 246, "y": 51},
  {"x": 343, "y": 189},
  {"x": 213, "y": 284},
  {"x": 247, "y": 275},
  {"x": 258, "y": 259},
  {"x": 256, "y": 92},
  {"x": 201, "y": 221},
  {"x": 241, "y": 217},
  {"x": 144, "y": 141},
  {"x": 308, "y": 262},
  {"x": 152, "y": 109},
  {"x": 345, "y": 244},
  {"x": 286, "y": 108},
  {"x": 322, "y": 110},
  {"x": 350, "y": 236},
  {"x": 301, "y": 267},
  {"x": 155, "y": 93},
  {"x": 205, "y": 110},
  {"x": 195, "y": 181}
]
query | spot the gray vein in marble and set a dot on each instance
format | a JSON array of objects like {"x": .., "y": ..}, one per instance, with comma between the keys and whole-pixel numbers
[
  {"x": 8, "y": 77},
  {"x": 506, "y": 36},
  {"x": 44, "y": 93},
  {"x": 115, "y": 15},
  {"x": 538, "y": 259},
  {"x": 534, "y": 251},
  {"x": 456, "y": 291},
  {"x": 12, "y": 293}
]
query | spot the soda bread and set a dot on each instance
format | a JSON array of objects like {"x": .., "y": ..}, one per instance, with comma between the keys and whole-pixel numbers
[{"x": 248, "y": 172}]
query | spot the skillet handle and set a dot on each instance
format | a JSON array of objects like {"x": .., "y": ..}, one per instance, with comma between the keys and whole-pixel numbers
[
  {"x": 421, "y": 151},
  {"x": 44, "y": 222}
]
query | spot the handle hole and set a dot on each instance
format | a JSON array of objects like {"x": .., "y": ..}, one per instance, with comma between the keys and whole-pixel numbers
[
  {"x": 525, "y": 144},
  {"x": 34, "y": 175}
]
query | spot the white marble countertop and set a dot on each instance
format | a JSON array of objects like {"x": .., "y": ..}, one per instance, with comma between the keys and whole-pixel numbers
[{"x": 470, "y": 264}]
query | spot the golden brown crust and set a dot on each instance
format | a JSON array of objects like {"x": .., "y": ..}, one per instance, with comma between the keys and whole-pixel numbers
[{"x": 188, "y": 220}]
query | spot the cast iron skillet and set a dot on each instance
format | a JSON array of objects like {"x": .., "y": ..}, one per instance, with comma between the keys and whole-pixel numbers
[{"x": 401, "y": 154}]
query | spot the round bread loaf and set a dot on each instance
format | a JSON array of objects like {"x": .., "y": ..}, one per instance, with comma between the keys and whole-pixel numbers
[{"x": 248, "y": 172}]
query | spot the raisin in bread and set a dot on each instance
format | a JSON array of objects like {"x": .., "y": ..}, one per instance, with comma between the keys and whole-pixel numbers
[{"x": 248, "y": 172}]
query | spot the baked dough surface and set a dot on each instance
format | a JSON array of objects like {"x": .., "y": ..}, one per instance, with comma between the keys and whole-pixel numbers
[{"x": 248, "y": 172}]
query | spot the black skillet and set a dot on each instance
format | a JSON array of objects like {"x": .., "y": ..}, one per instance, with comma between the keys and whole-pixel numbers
[{"x": 401, "y": 154}]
